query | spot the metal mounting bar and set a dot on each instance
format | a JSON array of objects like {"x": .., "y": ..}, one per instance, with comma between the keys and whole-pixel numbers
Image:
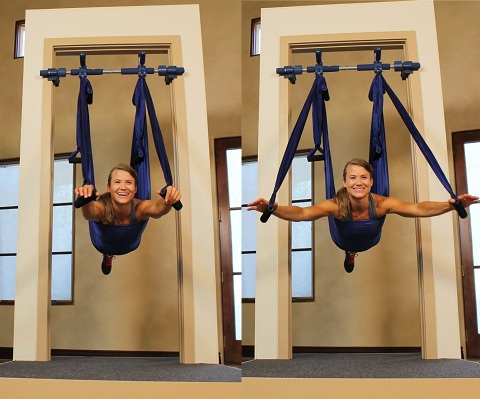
[
  {"x": 170, "y": 72},
  {"x": 405, "y": 68}
]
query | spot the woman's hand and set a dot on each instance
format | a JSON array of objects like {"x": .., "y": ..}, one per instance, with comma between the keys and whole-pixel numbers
[
  {"x": 172, "y": 195},
  {"x": 260, "y": 205},
  {"x": 466, "y": 200},
  {"x": 86, "y": 191}
]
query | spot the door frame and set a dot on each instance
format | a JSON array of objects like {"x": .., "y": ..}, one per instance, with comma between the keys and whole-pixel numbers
[
  {"x": 472, "y": 336},
  {"x": 232, "y": 348}
]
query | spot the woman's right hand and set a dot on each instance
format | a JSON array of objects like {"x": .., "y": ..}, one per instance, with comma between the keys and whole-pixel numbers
[
  {"x": 260, "y": 205},
  {"x": 86, "y": 191}
]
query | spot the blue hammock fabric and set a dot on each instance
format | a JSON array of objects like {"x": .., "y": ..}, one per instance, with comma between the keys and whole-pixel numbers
[
  {"x": 116, "y": 240},
  {"x": 422, "y": 145},
  {"x": 361, "y": 235},
  {"x": 315, "y": 93},
  {"x": 354, "y": 236},
  {"x": 84, "y": 143},
  {"x": 112, "y": 239}
]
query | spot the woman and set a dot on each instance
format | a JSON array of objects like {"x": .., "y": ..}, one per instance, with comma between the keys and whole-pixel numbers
[
  {"x": 355, "y": 202},
  {"x": 119, "y": 207}
]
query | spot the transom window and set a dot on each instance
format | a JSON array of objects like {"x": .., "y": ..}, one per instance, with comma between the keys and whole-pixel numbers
[
  {"x": 19, "y": 51},
  {"x": 255, "y": 36}
]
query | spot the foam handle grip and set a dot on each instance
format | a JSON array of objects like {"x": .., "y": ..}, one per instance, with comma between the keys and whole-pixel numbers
[
  {"x": 177, "y": 205},
  {"x": 460, "y": 209},
  {"x": 81, "y": 201},
  {"x": 266, "y": 214}
]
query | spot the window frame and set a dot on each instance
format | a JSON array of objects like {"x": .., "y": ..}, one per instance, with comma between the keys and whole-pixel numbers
[
  {"x": 16, "y": 161},
  {"x": 311, "y": 298},
  {"x": 299, "y": 153},
  {"x": 248, "y": 159},
  {"x": 231, "y": 343}
]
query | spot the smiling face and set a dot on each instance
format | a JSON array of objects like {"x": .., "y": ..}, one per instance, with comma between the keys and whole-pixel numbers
[
  {"x": 358, "y": 181},
  {"x": 122, "y": 186}
]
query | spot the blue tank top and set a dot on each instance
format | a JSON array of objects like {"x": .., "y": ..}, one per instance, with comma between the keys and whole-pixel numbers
[
  {"x": 132, "y": 219},
  {"x": 372, "y": 210}
]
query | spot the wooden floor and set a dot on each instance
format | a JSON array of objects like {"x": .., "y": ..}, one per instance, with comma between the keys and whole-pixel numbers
[
  {"x": 249, "y": 388},
  {"x": 77, "y": 389},
  {"x": 289, "y": 388}
]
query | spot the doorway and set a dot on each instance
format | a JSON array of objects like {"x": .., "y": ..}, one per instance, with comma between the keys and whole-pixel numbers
[
  {"x": 466, "y": 147},
  {"x": 228, "y": 172}
]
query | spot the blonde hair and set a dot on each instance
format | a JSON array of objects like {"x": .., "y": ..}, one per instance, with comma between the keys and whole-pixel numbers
[
  {"x": 341, "y": 197},
  {"x": 106, "y": 198}
]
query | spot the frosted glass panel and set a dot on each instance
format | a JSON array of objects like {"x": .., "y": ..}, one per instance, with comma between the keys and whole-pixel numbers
[
  {"x": 302, "y": 232},
  {"x": 236, "y": 234},
  {"x": 62, "y": 228},
  {"x": 237, "y": 297},
  {"x": 249, "y": 230},
  {"x": 63, "y": 181},
  {"x": 302, "y": 274},
  {"x": 9, "y": 177},
  {"x": 7, "y": 278},
  {"x": 474, "y": 212},
  {"x": 8, "y": 230},
  {"x": 61, "y": 277},
  {"x": 301, "y": 178},
  {"x": 476, "y": 275},
  {"x": 249, "y": 182},
  {"x": 248, "y": 275},
  {"x": 472, "y": 161},
  {"x": 234, "y": 172},
  {"x": 301, "y": 235}
]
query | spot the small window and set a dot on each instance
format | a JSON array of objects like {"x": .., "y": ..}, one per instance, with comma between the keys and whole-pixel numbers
[
  {"x": 234, "y": 171},
  {"x": 301, "y": 233},
  {"x": 256, "y": 31},
  {"x": 62, "y": 232},
  {"x": 19, "y": 39}
]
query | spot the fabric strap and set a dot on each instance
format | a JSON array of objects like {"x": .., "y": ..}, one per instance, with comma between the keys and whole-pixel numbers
[{"x": 111, "y": 239}]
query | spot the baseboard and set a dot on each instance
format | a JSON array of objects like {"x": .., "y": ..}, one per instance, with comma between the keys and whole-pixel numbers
[
  {"x": 248, "y": 351},
  {"x": 7, "y": 353}
]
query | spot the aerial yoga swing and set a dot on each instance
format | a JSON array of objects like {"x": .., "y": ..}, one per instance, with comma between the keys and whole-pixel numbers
[
  {"x": 121, "y": 239},
  {"x": 360, "y": 235}
]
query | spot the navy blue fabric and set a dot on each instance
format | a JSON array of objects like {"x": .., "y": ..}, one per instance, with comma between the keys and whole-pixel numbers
[
  {"x": 139, "y": 158},
  {"x": 356, "y": 236},
  {"x": 378, "y": 146},
  {"x": 112, "y": 239},
  {"x": 315, "y": 97},
  {"x": 116, "y": 240},
  {"x": 84, "y": 144},
  {"x": 422, "y": 145},
  {"x": 315, "y": 93},
  {"x": 157, "y": 136},
  {"x": 361, "y": 235}
]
